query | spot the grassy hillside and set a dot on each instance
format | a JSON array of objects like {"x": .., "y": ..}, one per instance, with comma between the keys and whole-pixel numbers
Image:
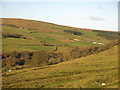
[
  {"x": 37, "y": 47},
  {"x": 30, "y": 35},
  {"x": 87, "y": 72}
]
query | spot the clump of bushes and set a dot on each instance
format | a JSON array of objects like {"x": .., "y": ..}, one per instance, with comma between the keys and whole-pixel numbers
[
  {"x": 107, "y": 35},
  {"x": 9, "y": 35},
  {"x": 82, "y": 52},
  {"x": 11, "y": 25},
  {"x": 46, "y": 43},
  {"x": 73, "y": 32},
  {"x": 40, "y": 58}
]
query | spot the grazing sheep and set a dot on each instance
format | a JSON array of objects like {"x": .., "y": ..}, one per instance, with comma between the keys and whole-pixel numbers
[
  {"x": 9, "y": 70},
  {"x": 20, "y": 67},
  {"x": 103, "y": 84},
  {"x": 76, "y": 39},
  {"x": 20, "y": 28}
]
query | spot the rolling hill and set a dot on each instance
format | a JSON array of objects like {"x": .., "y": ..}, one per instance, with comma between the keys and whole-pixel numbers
[
  {"x": 87, "y": 72},
  {"x": 31, "y": 35},
  {"x": 48, "y": 55}
]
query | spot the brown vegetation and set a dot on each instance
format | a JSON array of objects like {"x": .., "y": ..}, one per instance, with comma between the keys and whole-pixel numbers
[
  {"x": 24, "y": 24},
  {"x": 47, "y": 58}
]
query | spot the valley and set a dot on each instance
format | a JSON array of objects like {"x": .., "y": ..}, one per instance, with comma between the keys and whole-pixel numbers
[{"x": 48, "y": 55}]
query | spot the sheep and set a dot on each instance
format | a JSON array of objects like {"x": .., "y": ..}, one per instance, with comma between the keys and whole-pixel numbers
[
  {"x": 9, "y": 70},
  {"x": 103, "y": 84}
]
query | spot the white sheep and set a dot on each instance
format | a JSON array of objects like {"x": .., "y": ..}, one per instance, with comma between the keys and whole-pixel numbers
[
  {"x": 9, "y": 70},
  {"x": 103, "y": 84}
]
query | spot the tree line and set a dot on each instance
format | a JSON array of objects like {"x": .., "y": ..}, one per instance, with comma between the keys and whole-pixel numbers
[
  {"x": 40, "y": 58},
  {"x": 107, "y": 35},
  {"x": 73, "y": 32}
]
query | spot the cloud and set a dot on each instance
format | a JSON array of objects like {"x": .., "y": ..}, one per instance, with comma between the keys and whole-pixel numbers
[{"x": 97, "y": 18}]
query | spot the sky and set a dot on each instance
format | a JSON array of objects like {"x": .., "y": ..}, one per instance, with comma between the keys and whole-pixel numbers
[{"x": 89, "y": 14}]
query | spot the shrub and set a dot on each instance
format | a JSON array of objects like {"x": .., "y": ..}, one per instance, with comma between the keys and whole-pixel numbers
[
  {"x": 73, "y": 32},
  {"x": 43, "y": 58},
  {"x": 39, "y": 58}
]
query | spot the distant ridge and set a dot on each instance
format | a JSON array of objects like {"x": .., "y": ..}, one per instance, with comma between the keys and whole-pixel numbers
[{"x": 86, "y": 29}]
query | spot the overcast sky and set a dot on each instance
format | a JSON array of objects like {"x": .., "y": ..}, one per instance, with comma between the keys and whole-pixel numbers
[{"x": 92, "y": 15}]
